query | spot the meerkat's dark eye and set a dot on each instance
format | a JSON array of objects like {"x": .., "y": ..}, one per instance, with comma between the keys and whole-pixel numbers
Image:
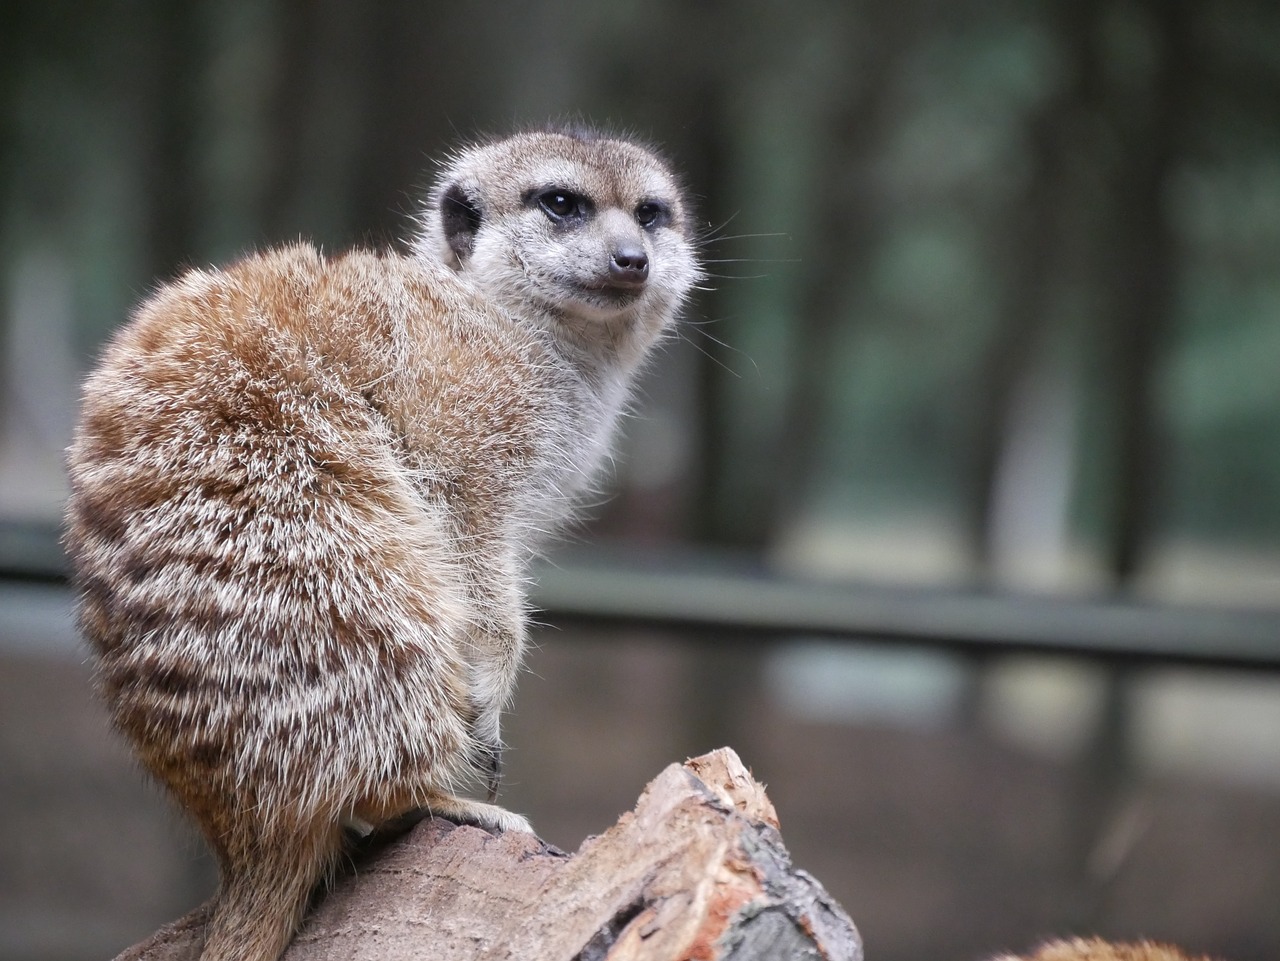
[
  {"x": 563, "y": 205},
  {"x": 653, "y": 213}
]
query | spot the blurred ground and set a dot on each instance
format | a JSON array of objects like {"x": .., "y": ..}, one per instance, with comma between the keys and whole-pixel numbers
[
  {"x": 940, "y": 840},
  {"x": 941, "y": 843}
]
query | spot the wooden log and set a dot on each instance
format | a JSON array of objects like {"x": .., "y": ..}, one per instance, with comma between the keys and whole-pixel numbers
[{"x": 696, "y": 871}]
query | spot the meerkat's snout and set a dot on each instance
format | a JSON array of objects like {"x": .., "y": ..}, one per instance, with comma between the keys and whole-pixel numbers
[
  {"x": 622, "y": 263},
  {"x": 628, "y": 261},
  {"x": 629, "y": 267}
]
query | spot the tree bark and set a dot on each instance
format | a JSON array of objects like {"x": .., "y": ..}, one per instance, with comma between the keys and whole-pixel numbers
[{"x": 696, "y": 871}]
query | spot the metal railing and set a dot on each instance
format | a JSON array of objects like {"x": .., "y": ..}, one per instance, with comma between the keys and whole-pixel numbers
[
  {"x": 710, "y": 598},
  {"x": 688, "y": 595}
]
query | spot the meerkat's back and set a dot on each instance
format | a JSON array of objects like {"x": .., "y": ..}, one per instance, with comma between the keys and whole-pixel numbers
[
  {"x": 1095, "y": 949},
  {"x": 304, "y": 489}
]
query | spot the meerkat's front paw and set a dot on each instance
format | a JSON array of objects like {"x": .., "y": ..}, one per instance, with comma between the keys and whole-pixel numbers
[{"x": 490, "y": 817}]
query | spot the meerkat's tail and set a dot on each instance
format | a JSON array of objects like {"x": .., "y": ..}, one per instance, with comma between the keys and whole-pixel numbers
[{"x": 264, "y": 893}]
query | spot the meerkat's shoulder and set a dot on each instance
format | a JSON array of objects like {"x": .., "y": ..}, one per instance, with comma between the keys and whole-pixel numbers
[
  {"x": 290, "y": 288},
  {"x": 299, "y": 270}
]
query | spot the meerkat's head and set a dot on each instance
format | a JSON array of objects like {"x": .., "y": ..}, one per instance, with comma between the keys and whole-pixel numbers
[{"x": 589, "y": 232}]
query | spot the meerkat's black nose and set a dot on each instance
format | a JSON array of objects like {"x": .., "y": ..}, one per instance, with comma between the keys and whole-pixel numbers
[{"x": 629, "y": 267}]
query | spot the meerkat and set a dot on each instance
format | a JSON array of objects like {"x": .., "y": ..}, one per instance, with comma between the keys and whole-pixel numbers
[
  {"x": 1095, "y": 949},
  {"x": 305, "y": 489}
]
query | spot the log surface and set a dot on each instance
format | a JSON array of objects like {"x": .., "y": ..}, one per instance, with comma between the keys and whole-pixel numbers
[{"x": 696, "y": 871}]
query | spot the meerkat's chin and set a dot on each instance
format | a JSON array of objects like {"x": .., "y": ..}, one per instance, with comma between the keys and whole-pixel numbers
[
  {"x": 601, "y": 311},
  {"x": 609, "y": 299},
  {"x": 596, "y": 303}
]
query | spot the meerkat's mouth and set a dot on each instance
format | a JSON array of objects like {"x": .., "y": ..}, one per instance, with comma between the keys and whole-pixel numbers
[
  {"x": 607, "y": 292},
  {"x": 599, "y": 301}
]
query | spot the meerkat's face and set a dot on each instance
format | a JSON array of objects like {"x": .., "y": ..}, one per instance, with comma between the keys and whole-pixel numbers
[{"x": 586, "y": 229}]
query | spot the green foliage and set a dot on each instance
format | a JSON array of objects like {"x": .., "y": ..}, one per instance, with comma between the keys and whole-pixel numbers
[{"x": 915, "y": 210}]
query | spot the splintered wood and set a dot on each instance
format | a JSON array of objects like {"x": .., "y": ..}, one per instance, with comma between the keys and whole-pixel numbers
[{"x": 696, "y": 872}]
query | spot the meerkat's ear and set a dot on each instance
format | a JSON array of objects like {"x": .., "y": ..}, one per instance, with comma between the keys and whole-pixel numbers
[{"x": 460, "y": 219}]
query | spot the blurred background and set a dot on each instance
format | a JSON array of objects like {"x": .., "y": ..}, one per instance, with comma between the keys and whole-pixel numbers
[{"x": 954, "y": 507}]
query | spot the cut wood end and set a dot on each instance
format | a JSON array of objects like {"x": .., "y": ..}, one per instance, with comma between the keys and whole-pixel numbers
[
  {"x": 724, "y": 773},
  {"x": 701, "y": 868}
]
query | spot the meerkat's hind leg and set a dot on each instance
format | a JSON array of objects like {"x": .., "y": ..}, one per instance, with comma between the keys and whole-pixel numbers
[
  {"x": 364, "y": 836},
  {"x": 491, "y": 765}
]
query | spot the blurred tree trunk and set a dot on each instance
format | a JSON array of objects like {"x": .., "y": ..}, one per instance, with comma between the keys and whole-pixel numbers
[
  {"x": 15, "y": 40},
  {"x": 170, "y": 71},
  {"x": 1138, "y": 273},
  {"x": 364, "y": 99},
  {"x": 1134, "y": 264},
  {"x": 1110, "y": 233},
  {"x": 292, "y": 100},
  {"x": 846, "y": 223},
  {"x": 405, "y": 85},
  {"x": 1044, "y": 247},
  {"x": 719, "y": 517}
]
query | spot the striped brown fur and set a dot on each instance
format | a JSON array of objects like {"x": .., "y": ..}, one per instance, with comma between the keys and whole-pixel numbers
[{"x": 1095, "y": 949}]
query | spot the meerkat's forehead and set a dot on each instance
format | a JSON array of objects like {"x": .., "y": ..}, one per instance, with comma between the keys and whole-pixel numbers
[{"x": 609, "y": 169}]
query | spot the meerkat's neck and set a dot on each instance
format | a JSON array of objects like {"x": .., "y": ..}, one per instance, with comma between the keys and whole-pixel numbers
[{"x": 608, "y": 352}]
